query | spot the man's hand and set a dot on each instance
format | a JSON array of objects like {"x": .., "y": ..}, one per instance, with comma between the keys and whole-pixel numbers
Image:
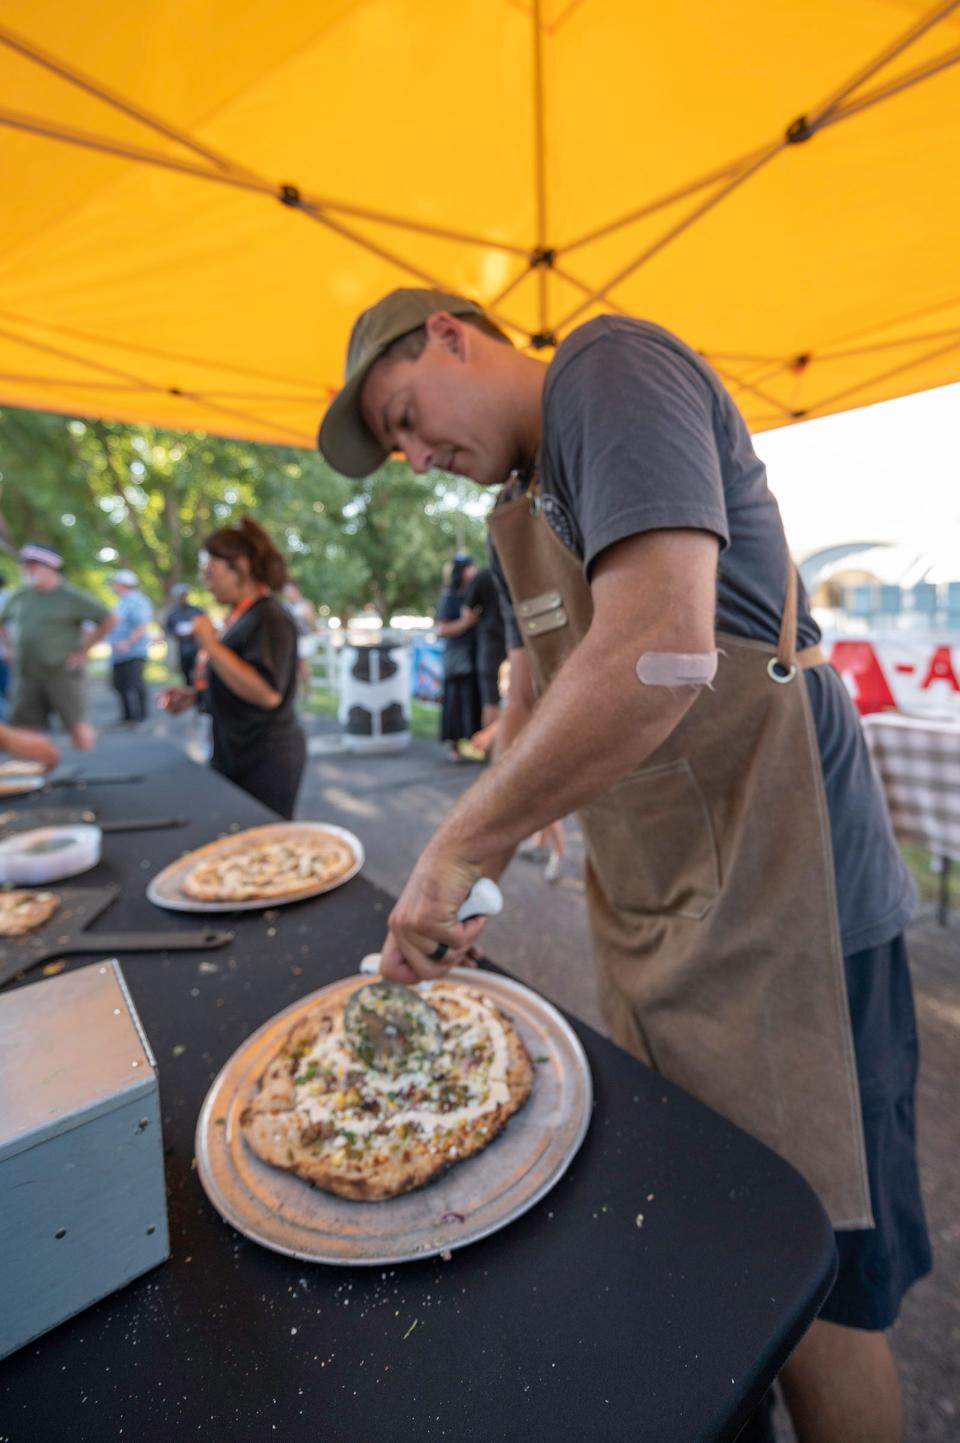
[
  {"x": 425, "y": 917},
  {"x": 176, "y": 699},
  {"x": 77, "y": 659},
  {"x": 44, "y": 751},
  {"x": 48, "y": 754},
  {"x": 120, "y": 646},
  {"x": 29, "y": 746},
  {"x": 205, "y": 633}
]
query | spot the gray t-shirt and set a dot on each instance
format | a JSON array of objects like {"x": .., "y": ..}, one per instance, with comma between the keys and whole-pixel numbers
[{"x": 639, "y": 435}]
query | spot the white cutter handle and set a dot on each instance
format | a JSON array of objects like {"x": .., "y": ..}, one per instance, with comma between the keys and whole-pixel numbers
[{"x": 483, "y": 900}]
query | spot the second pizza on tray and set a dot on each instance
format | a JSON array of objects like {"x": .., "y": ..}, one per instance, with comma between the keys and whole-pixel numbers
[{"x": 270, "y": 869}]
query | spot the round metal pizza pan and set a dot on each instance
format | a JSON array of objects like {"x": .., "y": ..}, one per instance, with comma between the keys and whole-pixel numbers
[
  {"x": 165, "y": 889},
  {"x": 15, "y": 785},
  {"x": 473, "y": 1199}
]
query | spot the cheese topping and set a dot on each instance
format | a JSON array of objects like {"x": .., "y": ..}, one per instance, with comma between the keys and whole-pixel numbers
[{"x": 366, "y": 1109}]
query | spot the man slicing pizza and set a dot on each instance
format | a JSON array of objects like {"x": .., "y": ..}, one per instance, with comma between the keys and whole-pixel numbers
[{"x": 746, "y": 897}]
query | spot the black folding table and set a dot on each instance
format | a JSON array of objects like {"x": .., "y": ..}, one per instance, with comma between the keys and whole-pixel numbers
[{"x": 652, "y": 1295}]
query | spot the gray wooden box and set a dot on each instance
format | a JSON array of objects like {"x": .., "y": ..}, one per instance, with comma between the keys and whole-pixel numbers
[{"x": 82, "y": 1200}]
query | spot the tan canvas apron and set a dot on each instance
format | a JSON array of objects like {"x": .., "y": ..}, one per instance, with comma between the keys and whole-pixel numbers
[{"x": 710, "y": 885}]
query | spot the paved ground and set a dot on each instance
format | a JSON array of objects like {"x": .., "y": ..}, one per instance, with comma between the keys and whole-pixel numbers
[{"x": 394, "y": 802}]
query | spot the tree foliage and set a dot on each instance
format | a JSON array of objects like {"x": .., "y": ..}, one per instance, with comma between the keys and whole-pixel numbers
[{"x": 109, "y": 495}]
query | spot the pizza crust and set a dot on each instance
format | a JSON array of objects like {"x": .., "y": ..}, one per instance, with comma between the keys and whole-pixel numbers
[
  {"x": 325, "y": 1130},
  {"x": 23, "y": 911},
  {"x": 21, "y": 768},
  {"x": 280, "y": 868}
]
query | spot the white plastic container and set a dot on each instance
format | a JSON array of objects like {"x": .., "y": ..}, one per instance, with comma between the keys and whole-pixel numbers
[
  {"x": 374, "y": 708},
  {"x": 48, "y": 854}
]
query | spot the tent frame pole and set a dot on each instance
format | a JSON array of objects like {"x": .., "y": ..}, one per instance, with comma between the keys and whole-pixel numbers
[
  {"x": 144, "y": 385},
  {"x": 829, "y": 112}
]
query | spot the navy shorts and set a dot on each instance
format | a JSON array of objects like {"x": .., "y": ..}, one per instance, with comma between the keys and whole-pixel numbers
[
  {"x": 489, "y": 688},
  {"x": 877, "y": 1265}
]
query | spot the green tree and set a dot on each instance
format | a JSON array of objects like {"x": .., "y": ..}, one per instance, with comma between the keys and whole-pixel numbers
[
  {"x": 111, "y": 495},
  {"x": 404, "y": 527}
]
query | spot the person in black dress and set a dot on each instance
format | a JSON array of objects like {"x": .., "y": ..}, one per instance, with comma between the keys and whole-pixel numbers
[
  {"x": 482, "y": 605},
  {"x": 460, "y": 715},
  {"x": 249, "y": 677}
]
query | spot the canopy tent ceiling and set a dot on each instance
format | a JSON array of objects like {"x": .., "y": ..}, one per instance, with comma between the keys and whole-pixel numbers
[{"x": 199, "y": 195}]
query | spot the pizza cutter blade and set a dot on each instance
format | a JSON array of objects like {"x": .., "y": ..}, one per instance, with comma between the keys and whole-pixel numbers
[{"x": 387, "y": 1023}]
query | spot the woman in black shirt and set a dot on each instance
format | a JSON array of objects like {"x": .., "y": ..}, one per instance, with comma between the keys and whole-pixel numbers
[{"x": 251, "y": 668}]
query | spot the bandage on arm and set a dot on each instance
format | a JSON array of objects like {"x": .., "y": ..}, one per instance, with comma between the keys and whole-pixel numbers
[{"x": 677, "y": 668}]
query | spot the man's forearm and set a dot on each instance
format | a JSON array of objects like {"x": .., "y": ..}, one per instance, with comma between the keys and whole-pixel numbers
[
  {"x": 593, "y": 726},
  {"x": 513, "y": 719}
]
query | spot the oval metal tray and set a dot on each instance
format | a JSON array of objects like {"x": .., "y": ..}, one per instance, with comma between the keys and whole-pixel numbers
[
  {"x": 487, "y": 1191},
  {"x": 165, "y": 888}
]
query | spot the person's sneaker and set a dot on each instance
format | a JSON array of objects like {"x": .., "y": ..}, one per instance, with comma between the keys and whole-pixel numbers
[{"x": 551, "y": 872}]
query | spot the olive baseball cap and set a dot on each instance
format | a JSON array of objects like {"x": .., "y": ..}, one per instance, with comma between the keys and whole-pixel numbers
[{"x": 345, "y": 439}]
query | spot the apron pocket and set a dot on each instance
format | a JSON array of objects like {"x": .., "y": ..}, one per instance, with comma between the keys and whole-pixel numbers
[{"x": 651, "y": 843}]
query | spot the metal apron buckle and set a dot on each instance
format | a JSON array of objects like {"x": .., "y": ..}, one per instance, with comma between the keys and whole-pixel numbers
[{"x": 776, "y": 673}]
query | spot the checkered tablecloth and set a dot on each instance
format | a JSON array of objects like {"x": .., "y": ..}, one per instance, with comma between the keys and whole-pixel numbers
[{"x": 919, "y": 765}]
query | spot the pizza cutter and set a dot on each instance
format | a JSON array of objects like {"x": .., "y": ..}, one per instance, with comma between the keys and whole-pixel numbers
[{"x": 386, "y": 1023}]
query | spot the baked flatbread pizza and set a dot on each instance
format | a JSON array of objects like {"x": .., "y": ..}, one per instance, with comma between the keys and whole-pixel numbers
[
  {"x": 22, "y": 911},
  {"x": 363, "y": 1133},
  {"x": 270, "y": 869}
]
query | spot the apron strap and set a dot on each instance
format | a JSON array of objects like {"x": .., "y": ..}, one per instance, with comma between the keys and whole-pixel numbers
[
  {"x": 788, "y": 660},
  {"x": 787, "y": 645}
]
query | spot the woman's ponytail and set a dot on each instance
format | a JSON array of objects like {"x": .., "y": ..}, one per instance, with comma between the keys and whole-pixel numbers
[{"x": 247, "y": 538}]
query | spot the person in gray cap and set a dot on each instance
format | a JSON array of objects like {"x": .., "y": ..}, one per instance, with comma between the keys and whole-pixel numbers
[
  {"x": 746, "y": 897},
  {"x": 50, "y": 644},
  {"x": 130, "y": 644},
  {"x": 178, "y": 624}
]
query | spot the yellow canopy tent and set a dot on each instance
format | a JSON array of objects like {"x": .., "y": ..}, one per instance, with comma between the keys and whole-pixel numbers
[{"x": 197, "y": 196}]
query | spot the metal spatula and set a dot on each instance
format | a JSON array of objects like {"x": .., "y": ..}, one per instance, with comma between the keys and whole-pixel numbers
[{"x": 387, "y": 1024}]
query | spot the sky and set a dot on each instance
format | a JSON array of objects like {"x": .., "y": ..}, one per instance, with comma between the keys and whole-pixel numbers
[{"x": 884, "y": 473}]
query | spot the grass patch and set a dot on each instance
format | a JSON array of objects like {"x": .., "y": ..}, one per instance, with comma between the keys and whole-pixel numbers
[
  {"x": 159, "y": 674},
  {"x": 918, "y": 859},
  {"x": 320, "y": 702}
]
